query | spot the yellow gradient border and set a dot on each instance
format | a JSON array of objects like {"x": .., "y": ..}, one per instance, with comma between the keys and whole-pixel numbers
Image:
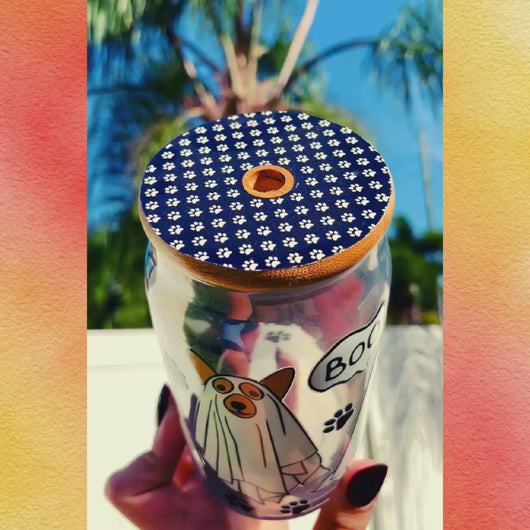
[{"x": 487, "y": 264}]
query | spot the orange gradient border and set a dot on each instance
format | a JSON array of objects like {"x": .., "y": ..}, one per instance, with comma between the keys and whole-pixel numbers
[{"x": 43, "y": 265}]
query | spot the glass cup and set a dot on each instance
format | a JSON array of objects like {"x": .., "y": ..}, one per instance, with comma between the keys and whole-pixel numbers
[{"x": 270, "y": 385}]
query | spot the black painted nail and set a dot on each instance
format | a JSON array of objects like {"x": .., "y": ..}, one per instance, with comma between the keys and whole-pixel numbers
[
  {"x": 365, "y": 485},
  {"x": 163, "y": 400}
]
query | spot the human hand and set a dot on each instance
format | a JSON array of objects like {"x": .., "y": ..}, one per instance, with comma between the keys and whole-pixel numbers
[{"x": 160, "y": 489}]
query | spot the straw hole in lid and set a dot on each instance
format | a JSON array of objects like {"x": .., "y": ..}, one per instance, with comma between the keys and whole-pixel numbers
[{"x": 268, "y": 181}]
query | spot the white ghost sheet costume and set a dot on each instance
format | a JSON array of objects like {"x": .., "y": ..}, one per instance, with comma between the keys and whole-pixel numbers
[{"x": 263, "y": 456}]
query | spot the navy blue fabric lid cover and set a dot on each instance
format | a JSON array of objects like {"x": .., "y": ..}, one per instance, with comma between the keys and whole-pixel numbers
[{"x": 193, "y": 197}]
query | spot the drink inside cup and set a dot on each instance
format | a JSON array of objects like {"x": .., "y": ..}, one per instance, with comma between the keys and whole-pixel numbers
[{"x": 268, "y": 282}]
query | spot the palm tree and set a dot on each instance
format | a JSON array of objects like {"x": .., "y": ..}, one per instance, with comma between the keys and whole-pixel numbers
[{"x": 147, "y": 82}]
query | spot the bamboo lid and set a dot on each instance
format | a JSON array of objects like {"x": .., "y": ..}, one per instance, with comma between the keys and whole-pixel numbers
[{"x": 266, "y": 201}]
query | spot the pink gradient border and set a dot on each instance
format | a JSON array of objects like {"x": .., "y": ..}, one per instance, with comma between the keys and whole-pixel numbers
[{"x": 43, "y": 264}]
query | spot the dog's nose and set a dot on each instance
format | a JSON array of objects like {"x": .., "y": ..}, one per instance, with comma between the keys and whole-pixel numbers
[{"x": 240, "y": 406}]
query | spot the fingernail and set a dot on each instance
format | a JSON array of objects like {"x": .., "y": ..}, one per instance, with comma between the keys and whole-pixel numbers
[
  {"x": 365, "y": 485},
  {"x": 163, "y": 400}
]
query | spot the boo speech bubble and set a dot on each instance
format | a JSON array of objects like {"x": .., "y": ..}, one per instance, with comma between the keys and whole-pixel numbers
[{"x": 350, "y": 356}]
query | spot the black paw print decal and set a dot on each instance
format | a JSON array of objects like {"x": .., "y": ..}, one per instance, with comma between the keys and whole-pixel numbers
[
  {"x": 339, "y": 419},
  {"x": 239, "y": 501},
  {"x": 277, "y": 336},
  {"x": 295, "y": 507}
]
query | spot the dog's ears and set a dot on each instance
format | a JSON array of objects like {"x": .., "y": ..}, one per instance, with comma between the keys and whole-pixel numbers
[
  {"x": 204, "y": 371},
  {"x": 279, "y": 382}
]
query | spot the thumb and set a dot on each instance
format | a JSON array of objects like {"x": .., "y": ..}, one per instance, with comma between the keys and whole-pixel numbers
[{"x": 351, "y": 505}]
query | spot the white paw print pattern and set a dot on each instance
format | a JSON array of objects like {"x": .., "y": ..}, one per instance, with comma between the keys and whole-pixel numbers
[
  {"x": 220, "y": 237},
  {"x": 177, "y": 244},
  {"x": 246, "y": 249},
  {"x": 272, "y": 262},
  {"x": 268, "y": 245},
  {"x": 242, "y": 234},
  {"x": 290, "y": 242},
  {"x": 175, "y": 229},
  {"x": 317, "y": 254},
  {"x": 250, "y": 265},
  {"x": 294, "y": 257},
  {"x": 342, "y": 190},
  {"x": 151, "y": 205}
]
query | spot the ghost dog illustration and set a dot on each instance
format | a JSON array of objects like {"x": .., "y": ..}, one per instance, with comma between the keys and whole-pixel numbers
[{"x": 250, "y": 438}]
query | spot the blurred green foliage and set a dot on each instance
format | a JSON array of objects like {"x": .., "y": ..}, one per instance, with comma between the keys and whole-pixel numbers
[
  {"x": 116, "y": 289},
  {"x": 416, "y": 266}
]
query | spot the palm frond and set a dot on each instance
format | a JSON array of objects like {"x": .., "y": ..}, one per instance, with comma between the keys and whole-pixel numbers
[
  {"x": 117, "y": 21},
  {"x": 412, "y": 50},
  {"x": 220, "y": 16},
  {"x": 297, "y": 43}
]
